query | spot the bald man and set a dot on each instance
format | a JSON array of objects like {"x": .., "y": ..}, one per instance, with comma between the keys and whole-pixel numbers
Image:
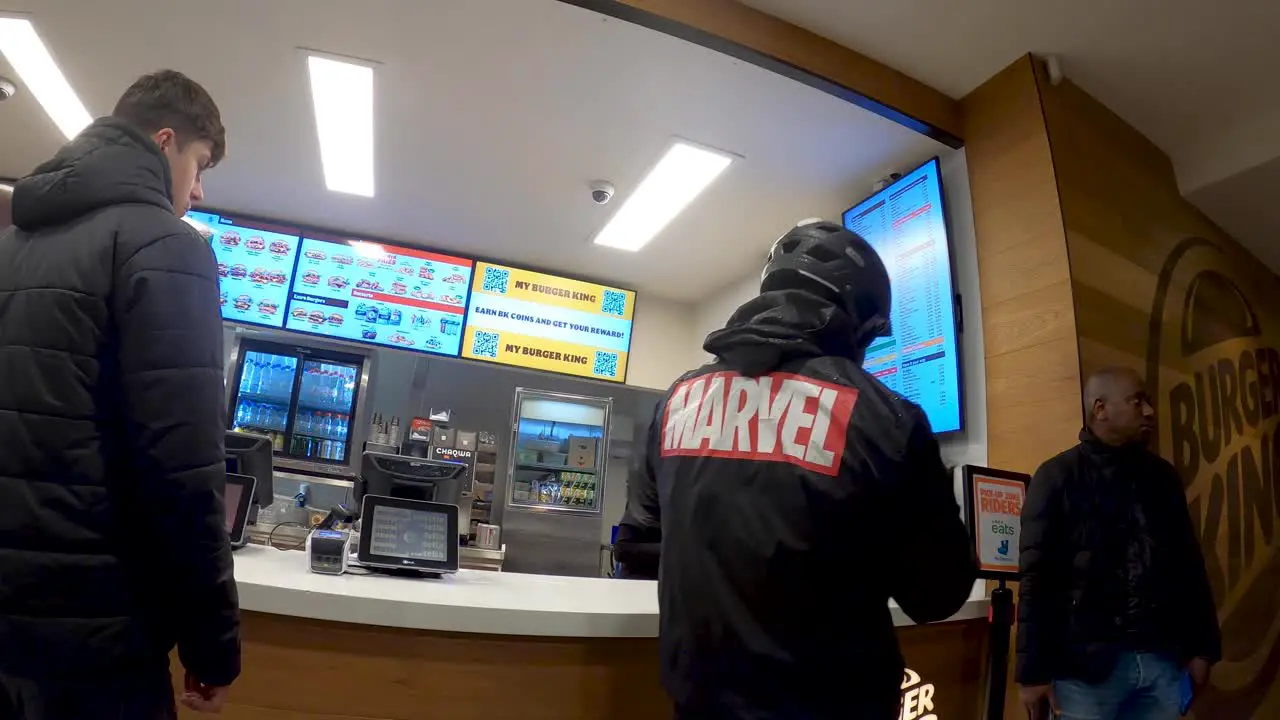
[{"x": 1115, "y": 614}]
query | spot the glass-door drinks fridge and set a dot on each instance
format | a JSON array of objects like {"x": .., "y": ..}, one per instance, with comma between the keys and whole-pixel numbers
[{"x": 304, "y": 398}]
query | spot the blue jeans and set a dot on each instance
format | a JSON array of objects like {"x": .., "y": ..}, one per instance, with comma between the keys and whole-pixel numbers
[{"x": 1144, "y": 686}]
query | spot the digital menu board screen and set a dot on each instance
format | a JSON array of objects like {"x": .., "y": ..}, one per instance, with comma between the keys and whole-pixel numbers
[
  {"x": 255, "y": 266},
  {"x": 382, "y": 294},
  {"x": 906, "y": 225},
  {"x": 543, "y": 322}
]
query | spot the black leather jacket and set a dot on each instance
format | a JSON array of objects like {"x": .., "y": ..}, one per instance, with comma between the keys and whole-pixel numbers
[
  {"x": 1110, "y": 563},
  {"x": 794, "y": 495}
]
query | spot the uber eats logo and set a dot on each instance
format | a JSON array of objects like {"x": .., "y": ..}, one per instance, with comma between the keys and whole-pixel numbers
[{"x": 1214, "y": 371}]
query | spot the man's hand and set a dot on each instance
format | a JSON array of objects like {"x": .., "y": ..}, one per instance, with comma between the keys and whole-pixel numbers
[
  {"x": 203, "y": 698},
  {"x": 1039, "y": 701},
  {"x": 1199, "y": 669}
]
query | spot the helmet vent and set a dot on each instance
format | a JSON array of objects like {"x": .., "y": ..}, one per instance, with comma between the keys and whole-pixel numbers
[{"x": 822, "y": 253}]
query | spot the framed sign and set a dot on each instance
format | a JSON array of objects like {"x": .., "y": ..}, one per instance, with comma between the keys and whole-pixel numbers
[{"x": 993, "y": 511}]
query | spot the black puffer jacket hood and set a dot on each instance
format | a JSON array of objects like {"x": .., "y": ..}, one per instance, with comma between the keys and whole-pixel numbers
[
  {"x": 783, "y": 325},
  {"x": 110, "y": 163}
]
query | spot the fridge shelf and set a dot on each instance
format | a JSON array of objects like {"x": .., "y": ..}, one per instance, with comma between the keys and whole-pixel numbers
[
  {"x": 264, "y": 398},
  {"x": 258, "y": 427},
  {"x": 554, "y": 468}
]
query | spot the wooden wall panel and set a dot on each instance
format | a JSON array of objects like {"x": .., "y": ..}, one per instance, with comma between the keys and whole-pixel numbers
[
  {"x": 1028, "y": 319},
  {"x": 1159, "y": 288}
]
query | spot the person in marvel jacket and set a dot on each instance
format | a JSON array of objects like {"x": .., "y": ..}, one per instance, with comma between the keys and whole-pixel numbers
[{"x": 793, "y": 495}]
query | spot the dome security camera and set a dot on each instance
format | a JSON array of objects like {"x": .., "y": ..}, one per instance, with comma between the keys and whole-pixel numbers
[
  {"x": 601, "y": 192},
  {"x": 7, "y": 89}
]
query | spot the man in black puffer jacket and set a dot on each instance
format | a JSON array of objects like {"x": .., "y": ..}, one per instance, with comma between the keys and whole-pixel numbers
[
  {"x": 1114, "y": 602},
  {"x": 112, "y": 547},
  {"x": 794, "y": 495}
]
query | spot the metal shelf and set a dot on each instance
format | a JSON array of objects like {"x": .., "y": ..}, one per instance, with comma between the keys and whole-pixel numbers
[{"x": 555, "y": 468}]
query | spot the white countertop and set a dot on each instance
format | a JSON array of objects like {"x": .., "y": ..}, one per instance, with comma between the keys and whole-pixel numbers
[{"x": 472, "y": 601}]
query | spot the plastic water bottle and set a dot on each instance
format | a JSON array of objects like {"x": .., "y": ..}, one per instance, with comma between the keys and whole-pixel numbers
[
  {"x": 248, "y": 374},
  {"x": 342, "y": 426}
]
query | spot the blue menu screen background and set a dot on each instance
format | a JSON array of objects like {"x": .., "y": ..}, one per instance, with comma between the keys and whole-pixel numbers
[{"x": 906, "y": 225}]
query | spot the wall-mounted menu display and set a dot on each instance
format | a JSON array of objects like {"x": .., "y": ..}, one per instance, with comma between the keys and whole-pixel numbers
[
  {"x": 255, "y": 265},
  {"x": 906, "y": 225},
  {"x": 382, "y": 294},
  {"x": 543, "y": 322}
]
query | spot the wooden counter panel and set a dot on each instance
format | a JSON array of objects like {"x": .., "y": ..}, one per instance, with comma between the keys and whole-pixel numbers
[{"x": 298, "y": 669}]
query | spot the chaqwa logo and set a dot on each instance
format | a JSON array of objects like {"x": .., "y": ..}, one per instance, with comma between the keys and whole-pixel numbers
[{"x": 1215, "y": 378}]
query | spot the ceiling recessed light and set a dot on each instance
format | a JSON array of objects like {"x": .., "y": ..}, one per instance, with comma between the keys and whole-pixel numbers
[
  {"x": 30, "y": 58},
  {"x": 342, "y": 93},
  {"x": 679, "y": 177}
]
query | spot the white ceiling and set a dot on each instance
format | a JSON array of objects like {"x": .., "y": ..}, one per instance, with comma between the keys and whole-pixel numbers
[
  {"x": 1196, "y": 77},
  {"x": 492, "y": 117}
]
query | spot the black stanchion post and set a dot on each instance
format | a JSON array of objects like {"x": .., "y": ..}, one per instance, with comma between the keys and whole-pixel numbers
[{"x": 1001, "y": 622}]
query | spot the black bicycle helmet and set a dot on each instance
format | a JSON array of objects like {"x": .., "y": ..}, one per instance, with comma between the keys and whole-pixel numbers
[{"x": 839, "y": 261}]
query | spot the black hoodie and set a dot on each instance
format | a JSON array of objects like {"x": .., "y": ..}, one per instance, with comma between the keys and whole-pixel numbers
[
  {"x": 794, "y": 496},
  {"x": 112, "y": 547}
]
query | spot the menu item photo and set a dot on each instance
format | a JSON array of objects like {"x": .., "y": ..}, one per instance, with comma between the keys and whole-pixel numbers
[
  {"x": 255, "y": 264},
  {"x": 381, "y": 294}
]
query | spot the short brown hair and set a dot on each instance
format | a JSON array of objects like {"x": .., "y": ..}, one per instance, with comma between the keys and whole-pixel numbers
[{"x": 169, "y": 99}]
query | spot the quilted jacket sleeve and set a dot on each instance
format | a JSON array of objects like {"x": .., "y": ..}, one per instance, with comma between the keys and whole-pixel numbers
[
  {"x": 170, "y": 358},
  {"x": 1041, "y": 597}
]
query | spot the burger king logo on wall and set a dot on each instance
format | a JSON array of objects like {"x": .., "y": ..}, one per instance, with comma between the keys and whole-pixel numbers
[{"x": 1214, "y": 372}]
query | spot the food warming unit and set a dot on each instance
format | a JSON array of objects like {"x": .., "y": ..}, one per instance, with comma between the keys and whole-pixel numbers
[
  {"x": 555, "y": 482},
  {"x": 308, "y": 399}
]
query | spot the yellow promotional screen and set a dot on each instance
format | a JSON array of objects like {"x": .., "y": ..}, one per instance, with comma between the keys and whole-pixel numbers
[{"x": 543, "y": 322}]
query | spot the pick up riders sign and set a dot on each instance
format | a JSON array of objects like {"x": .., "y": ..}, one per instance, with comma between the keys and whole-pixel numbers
[{"x": 993, "y": 500}]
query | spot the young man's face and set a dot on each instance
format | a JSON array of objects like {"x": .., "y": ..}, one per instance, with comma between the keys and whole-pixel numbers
[{"x": 186, "y": 165}]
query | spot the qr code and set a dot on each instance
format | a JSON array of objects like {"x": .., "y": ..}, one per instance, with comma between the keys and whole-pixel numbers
[
  {"x": 495, "y": 280},
  {"x": 485, "y": 344},
  {"x": 606, "y": 364},
  {"x": 614, "y": 303}
]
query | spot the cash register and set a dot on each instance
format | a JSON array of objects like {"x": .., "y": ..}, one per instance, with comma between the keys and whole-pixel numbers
[
  {"x": 408, "y": 519},
  {"x": 250, "y": 455}
]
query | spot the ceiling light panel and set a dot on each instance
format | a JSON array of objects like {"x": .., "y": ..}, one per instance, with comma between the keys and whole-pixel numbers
[
  {"x": 684, "y": 171},
  {"x": 30, "y": 58},
  {"x": 342, "y": 95}
]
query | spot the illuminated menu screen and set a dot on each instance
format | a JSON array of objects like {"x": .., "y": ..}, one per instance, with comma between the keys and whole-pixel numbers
[
  {"x": 382, "y": 294},
  {"x": 255, "y": 266},
  {"x": 905, "y": 223},
  {"x": 411, "y": 534},
  {"x": 544, "y": 322}
]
